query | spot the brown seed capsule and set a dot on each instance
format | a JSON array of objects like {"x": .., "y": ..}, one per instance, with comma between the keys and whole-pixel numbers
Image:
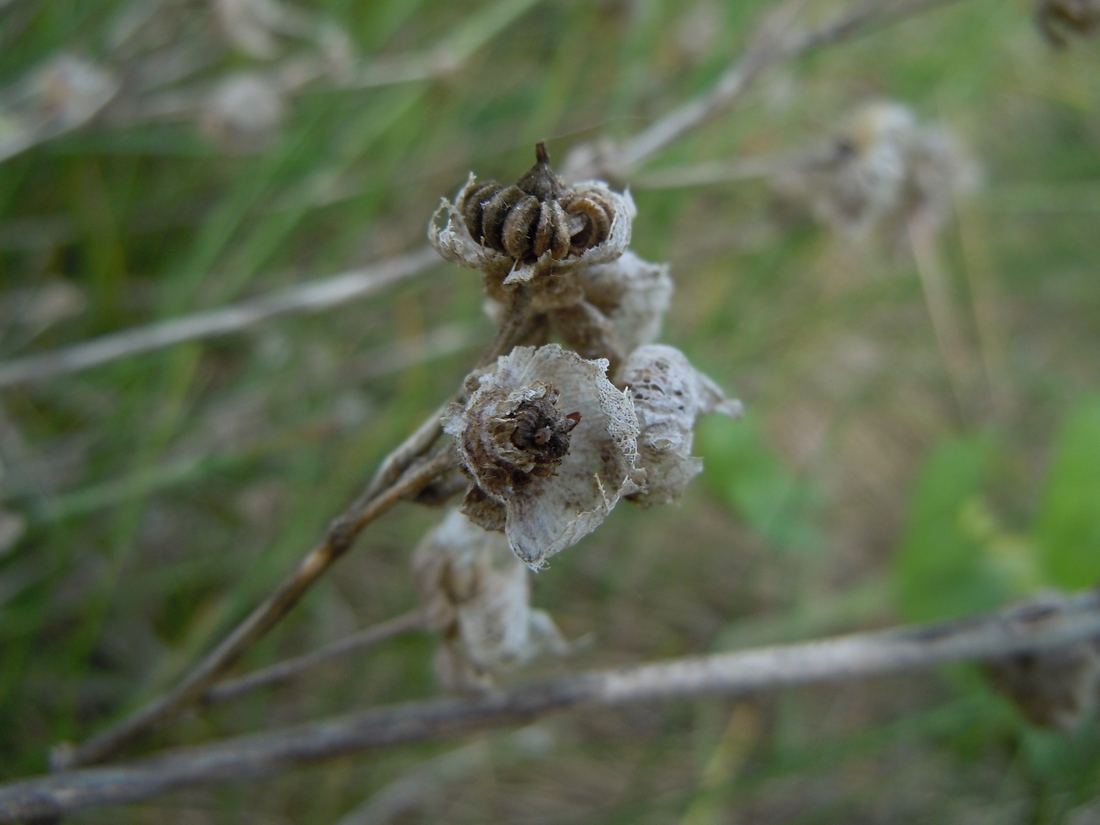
[
  {"x": 536, "y": 215},
  {"x": 590, "y": 216}
]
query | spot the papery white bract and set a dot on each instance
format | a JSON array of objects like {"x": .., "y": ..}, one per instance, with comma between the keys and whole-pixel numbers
[
  {"x": 477, "y": 595},
  {"x": 669, "y": 396},
  {"x": 549, "y": 501},
  {"x": 633, "y": 293}
]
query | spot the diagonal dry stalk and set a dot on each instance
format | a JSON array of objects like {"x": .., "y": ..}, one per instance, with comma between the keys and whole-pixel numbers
[
  {"x": 286, "y": 670},
  {"x": 1029, "y": 627},
  {"x": 774, "y": 42},
  {"x": 337, "y": 540},
  {"x": 403, "y": 474}
]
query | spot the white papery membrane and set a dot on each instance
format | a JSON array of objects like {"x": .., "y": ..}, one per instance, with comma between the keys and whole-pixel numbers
[
  {"x": 669, "y": 396},
  {"x": 448, "y": 234},
  {"x": 633, "y": 293},
  {"x": 553, "y": 512},
  {"x": 477, "y": 595}
]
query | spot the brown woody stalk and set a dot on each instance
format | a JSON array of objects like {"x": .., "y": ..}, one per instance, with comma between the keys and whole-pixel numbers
[
  {"x": 338, "y": 540},
  {"x": 1028, "y": 627},
  {"x": 286, "y": 670}
]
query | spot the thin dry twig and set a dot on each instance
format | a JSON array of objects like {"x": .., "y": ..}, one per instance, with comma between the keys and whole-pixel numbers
[
  {"x": 338, "y": 540},
  {"x": 1028, "y": 627},
  {"x": 287, "y": 670},
  {"x": 773, "y": 43},
  {"x": 314, "y": 296}
]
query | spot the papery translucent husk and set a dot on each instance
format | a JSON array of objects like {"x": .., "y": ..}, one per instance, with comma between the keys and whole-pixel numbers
[
  {"x": 553, "y": 512},
  {"x": 669, "y": 396},
  {"x": 477, "y": 595}
]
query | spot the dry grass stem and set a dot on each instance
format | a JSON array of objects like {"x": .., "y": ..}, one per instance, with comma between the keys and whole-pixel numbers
[
  {"x": 289, "y": 669},
  {"x": 1027, "y": 627},
  {"x": 338, "y": 540},
  {"x": 314, "y": 296}
]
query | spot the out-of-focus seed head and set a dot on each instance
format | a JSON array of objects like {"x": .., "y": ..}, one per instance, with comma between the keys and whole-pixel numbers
[
  {"x": 1055, "y": 687},
  {"x": 244, "y": 112},
  {"x": 882, "y": 174}
]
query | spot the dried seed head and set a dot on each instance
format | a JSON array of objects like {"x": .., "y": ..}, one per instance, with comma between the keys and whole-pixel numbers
[
  {"x": 550, "y": 445},
  {"x": 535, "y": 227},
  {"x": 67, "y": 92},
  {"x": 669, "y": 395},
  {"x": 477, "y": 595},
  {"x": 1057, "y": 18},
  {"x": 244, "y": 112},
  {"x": 536, "y": 215},
  {"x": 1055, "y": 687},
  {"x": 881, "y": 173}
]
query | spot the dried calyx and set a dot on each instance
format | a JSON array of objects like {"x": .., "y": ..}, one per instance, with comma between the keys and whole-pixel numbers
[
  {"x": 550, "y": 446},
  {"x": 536, "y": 215}
]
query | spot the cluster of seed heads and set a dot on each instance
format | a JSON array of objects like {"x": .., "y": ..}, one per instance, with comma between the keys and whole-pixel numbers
[{"x": 536, "y": 214}]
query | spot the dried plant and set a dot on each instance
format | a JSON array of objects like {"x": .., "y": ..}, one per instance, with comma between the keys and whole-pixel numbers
[
  {"x": 544, "y": 437},
  {"x": 883, "y": 172}
]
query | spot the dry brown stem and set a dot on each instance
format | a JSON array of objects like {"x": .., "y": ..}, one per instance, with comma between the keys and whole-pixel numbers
[
  {"x": 1027, "y": 627},
  {"x": 286, "y": 670},
  {"x": 774, "y": 42},
  {"x": 338, "y": 540},
  {"x": 314, "y": 296}
]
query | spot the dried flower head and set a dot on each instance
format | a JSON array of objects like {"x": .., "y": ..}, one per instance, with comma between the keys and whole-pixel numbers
[
  {"x": 477, "y": 595},
  {"x": 537, "y": 227},
  {"x": 1055, "y": 687},
  {"x": 550, "y": 445},
  {"x": 883, "y": 171},
  {"x": 244, "y": 112},
  {"x": 669, "y": 396},
  {"x": 1057, "y": 18},
  {"x": 68, "y": 91}
]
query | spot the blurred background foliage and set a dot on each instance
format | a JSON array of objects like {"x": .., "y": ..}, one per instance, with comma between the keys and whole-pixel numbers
[{"x": 878, "y": 477}]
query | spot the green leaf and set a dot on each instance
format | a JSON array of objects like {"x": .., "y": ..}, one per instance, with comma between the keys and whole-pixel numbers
[
  {"x": 742, "y": 469},
  {"x": 1067, "y": 528},
  {"x": 941, "y": 568}
]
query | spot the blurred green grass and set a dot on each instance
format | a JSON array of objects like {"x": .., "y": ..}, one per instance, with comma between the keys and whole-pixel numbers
[{"x": 166, "y": 494}]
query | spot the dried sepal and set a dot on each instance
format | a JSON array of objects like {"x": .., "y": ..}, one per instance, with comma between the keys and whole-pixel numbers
[
  {"x": 669, "y": 396},
  {"x": 633, "y": 293},
  {"x": 1057, "y": 18},
  {"x": 536, "y": 231},
  {"x": 548, "y": 439},
  {"x": 1054, "y": 687},
  {"x": 477, "y": 595}
]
